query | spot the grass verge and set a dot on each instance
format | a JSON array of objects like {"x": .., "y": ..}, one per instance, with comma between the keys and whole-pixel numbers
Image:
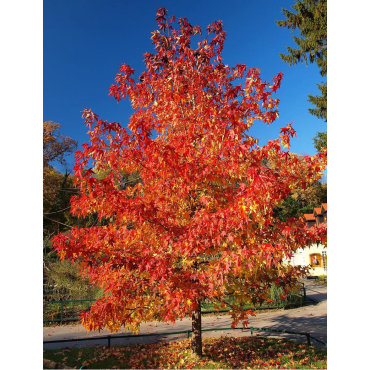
[{"x": 218, "y": 353}]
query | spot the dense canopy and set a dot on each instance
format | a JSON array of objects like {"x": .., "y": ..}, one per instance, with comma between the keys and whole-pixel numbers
[{"x": 199, "y": 224}]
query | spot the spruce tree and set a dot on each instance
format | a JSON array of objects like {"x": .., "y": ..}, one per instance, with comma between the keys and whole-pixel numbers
[{"x": 310, "y": 18}]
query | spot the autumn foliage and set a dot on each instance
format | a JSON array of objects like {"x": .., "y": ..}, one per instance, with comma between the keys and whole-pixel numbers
[{"x": 200, "y": 223}]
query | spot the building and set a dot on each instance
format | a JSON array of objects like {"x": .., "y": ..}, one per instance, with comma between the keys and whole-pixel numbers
[{"x": 314, "y": 255}]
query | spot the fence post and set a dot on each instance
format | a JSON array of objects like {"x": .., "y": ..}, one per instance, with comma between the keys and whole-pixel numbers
[
  {"x": 251, "y": 331},
  {"x": 308, "y": 335},
  {"x": 61, "y": 313},
  {"x": 108, "y": 341}
]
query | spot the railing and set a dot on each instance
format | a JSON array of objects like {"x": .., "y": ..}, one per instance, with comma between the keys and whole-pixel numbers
[
  {"x": 61, "y": 311},
  {"x": 308, "y": 336}
]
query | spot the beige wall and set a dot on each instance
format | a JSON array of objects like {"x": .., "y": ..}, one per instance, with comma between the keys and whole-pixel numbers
[
  {"x": 315, "y": 271},
  {"x": 303, "y": 257}
]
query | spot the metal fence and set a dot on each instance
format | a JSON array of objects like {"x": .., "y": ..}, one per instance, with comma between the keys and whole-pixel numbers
[
  {"x": 109, "y": 338},
  {"x": 62, "y": 311},
  {"x": 59, "y": 311}
]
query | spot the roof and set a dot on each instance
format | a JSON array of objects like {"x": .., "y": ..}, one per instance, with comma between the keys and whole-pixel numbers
[
  {"x": 309, "y": 217},
  {"x": 317, "y": 211}
]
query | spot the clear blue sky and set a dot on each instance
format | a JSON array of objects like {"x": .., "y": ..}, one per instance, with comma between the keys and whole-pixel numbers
[{"x": 85, "y": 42}]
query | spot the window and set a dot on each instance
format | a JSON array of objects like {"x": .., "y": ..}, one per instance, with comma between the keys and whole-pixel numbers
[
  {"x": 316, "y": 260},
  {"x": 324, "y": 259}
]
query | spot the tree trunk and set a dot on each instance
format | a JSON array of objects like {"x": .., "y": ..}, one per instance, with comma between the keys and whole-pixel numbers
[{"x": 196, "y": 328}]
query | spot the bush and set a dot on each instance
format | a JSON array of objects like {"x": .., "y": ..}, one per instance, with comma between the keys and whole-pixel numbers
[
  {"x": 274, "y": 300},
  {"x": 63, "y": 281},
  {"x": 322, "y": 279}
]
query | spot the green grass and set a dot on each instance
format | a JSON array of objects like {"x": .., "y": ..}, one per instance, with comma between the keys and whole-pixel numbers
[
  {"x": 218, "y": 353},
  {"x": 93, "y": 358}
]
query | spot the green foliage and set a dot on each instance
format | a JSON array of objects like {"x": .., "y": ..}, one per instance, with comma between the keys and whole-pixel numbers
[
  {"x": 310, "y": 18},
  {"x": 291, "y": 208},
  {"x": 93, "y": 358},
  {"x": 52, "y": 312},
  {"x": 274, "y": 296},
  {"x": 320, "y": 141},
  {"x": 323, "y": 279},
  {"x": 292, "y": 299},
  {"x": 63, "y": 281},
  {"x": 320, "y": 102},
  {"x": 301, "y": 202}
]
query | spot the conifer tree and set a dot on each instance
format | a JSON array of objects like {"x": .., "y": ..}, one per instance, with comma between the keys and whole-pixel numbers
[{"x": 310, "y": 19}]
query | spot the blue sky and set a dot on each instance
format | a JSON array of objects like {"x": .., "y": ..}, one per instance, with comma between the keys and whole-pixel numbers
[{"x": 85, "y": 42}]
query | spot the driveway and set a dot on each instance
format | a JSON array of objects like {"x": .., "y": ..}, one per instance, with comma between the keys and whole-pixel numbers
[{"x": 315, "y": 292}]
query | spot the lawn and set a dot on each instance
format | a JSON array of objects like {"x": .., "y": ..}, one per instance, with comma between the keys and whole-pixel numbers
[{"x": 219, "y": 353}]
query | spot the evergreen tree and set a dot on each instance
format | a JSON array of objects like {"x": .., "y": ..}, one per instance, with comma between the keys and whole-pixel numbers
[
  {"x": 320, "y": 141},
  {"x": 310, "y": 18},
  {"x": 302, "y": 201}
]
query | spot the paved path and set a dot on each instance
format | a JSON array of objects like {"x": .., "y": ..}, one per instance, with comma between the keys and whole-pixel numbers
[
  {"x": 315, "y": 292},
  {"x": 312, "y": 319}
]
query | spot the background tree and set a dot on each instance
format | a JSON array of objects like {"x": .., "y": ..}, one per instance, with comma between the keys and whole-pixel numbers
[
  {"x": 302, "y": 201},
  {"x": 55, "y": 145},
  {"x": 62, "y": 280},
  {"x": 320, "y": 141},
  {"x": 310, "y": 18},
  {"x": 57, "y": 188},
  {"x": 200, "y": 224}
]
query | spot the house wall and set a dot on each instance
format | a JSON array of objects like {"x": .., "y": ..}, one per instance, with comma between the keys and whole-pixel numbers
[
  {"x": 311, "y": 223},
  {"x": 303, "y": 257},
  {"x": 313, "y": 255},
  {"x": 321, "y": 219},
  {"x": 299, "y": 258},
  {"x": 315, "y": 271}
]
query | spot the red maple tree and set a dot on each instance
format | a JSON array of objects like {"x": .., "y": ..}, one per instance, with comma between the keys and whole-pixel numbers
[{"x": 200, "y": 223}]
